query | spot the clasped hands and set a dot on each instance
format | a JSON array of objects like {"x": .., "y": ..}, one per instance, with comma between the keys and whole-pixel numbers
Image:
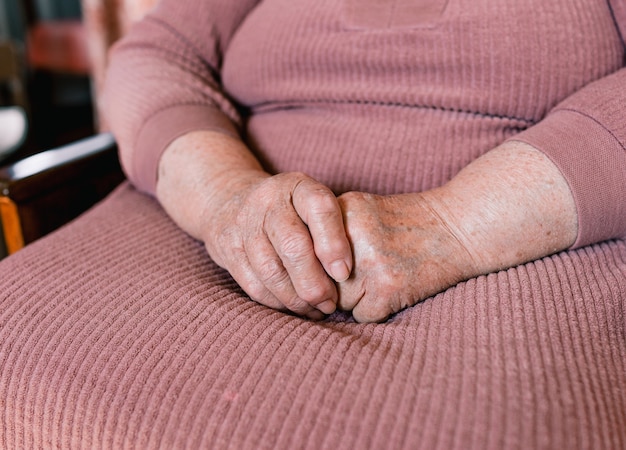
[{"x": 291, "y": 244}]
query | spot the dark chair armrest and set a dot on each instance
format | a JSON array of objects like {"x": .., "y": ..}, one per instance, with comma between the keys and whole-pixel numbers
[{"x": 42, "y": 192}]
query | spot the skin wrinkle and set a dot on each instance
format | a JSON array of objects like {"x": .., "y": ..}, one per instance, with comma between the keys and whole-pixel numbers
[{"x": 453, "y": 233}]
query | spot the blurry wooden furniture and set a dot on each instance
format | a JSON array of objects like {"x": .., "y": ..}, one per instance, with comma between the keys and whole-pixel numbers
[{"x": 42, "y": 192}]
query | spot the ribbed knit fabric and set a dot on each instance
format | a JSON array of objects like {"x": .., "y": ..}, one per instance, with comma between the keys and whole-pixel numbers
[{"x": 118, "y": 332}]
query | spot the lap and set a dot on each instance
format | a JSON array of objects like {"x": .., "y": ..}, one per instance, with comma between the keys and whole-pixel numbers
[{"x": 119, "y": 332}]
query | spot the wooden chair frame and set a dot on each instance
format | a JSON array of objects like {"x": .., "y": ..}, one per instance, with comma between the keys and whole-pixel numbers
[{"x": 42, "y": 192}]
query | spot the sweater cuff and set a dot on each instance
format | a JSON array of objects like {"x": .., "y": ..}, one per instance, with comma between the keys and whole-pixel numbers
[
  {"x": 593, "y": 162},
  {"x": 163, "y": 128}
]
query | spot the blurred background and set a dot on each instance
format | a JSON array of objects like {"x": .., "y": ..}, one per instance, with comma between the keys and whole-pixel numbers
[
  {"x": 53, "y": 56},
  {"x": 45, "y": 76}
]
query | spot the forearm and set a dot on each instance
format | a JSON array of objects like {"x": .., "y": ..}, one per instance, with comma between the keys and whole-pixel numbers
[{"x": 508, "y": 207}]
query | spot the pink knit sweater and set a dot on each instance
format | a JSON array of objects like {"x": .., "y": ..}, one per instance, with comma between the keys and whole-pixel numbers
[
  {"x": 119, "y": 332},
  {"x": 385, "y": 97}
]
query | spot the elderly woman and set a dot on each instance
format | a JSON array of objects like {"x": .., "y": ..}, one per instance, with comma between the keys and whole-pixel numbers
[
  {"x": 389, "y": 100},
  {"x": 345, "y": 159}
]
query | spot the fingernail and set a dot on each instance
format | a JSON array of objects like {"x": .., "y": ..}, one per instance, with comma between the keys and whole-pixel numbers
[
  {"x": 339, "y": 271},
  {"x": 327, "y": 307}
]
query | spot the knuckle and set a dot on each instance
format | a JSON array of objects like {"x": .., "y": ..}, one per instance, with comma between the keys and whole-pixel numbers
[
  {"x": 297, "y": 305},
  {"x": 322, "y": 202},
  {"x": 332, "y": 249},
  {"x": 314, "y": 293},
  {"x": 271, "y": 271},
  {"x": 225, "y": 248},
  {"x": 261, "y": 196},
  {"x": 295, "y": 249},
  {"x": 296, "y": 176},
  {"x": 357, "y": 200},
  {"x": 313, "y": 193},
  {"x": 264, "y": 193},
  {"x": 350, "y": 196},
  {"x": 294, "y": 304},
  {"x": 255, "y": 290},
  {"x": 230, "y": 237}
]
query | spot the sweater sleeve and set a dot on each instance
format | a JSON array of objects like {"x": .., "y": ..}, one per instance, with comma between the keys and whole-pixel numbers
[
  {"x": 585, "y": 136},
  {"x": 164, "y": 81}
]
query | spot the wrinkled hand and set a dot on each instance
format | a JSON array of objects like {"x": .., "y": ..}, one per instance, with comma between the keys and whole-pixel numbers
[
  {"x": 403, "y": 252},
  {"x": 282, "y": 238}
]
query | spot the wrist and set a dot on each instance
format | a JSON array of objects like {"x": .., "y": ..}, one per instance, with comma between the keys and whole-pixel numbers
[
  {"x": 199, "y": 173},
  {"x": 223, "y": 196},
  {"x": 461, "y": 253}
]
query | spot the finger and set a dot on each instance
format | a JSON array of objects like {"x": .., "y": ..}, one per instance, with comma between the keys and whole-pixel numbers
[
  {"x": 268, "y": 268},
  {"x": 294, "y": 247},
  {"x": 372, "y": 309},
  {"x": 349, "y": 294},
  {"x": 319, "y": 209},
  {"x": 241, "y": 271},
  {"x": 378, "y": 306}
]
